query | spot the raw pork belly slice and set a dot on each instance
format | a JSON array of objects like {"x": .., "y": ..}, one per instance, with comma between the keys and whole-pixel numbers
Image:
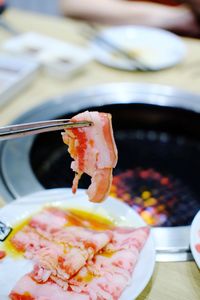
[
  {"x": 32, "y": 236},
  {"x": 28, "y": 240},
  {"x": 102, "y": 279},
  {"x": 58, "y": 253},
  {"x": 82, "y": 237},
  {"x": 128, "y": 238},
  {"x": 43, "y": 220},
  {"x": 74, "y": 262},
  {"x": 108, "y": 273},
  {"x": 28, "y": 289},
  {"x": 79, "y": 245},
  {"x": 94, "y": 152}
]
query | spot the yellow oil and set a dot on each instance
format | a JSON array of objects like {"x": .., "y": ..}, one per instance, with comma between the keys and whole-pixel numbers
[
  {"x": 86, "y": 219},
  {"x": 7, "y": 245},
  {"x": 93, "y": 221},
  {"x": 87, "y": 278},
  {"x": 107, "y": 254}
]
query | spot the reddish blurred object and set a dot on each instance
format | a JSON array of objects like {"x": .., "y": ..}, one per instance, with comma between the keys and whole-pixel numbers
[
  {"x": 2, "y": 6},
  {"x": 166, "y": 2},
  {"x": 2, "y": 254}
]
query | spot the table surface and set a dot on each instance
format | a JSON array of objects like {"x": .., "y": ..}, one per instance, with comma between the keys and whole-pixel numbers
[{"x": 170, "y": 281}]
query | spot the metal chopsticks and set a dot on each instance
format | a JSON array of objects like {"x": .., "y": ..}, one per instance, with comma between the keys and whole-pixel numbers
[
  {"x": 20, "y": 130},
  {"x": 134, "y": 62}
]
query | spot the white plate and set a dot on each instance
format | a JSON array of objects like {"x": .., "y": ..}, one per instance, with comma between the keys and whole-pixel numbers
[
  {"x": 156, "y": 48},
  {"x": 11, "y": 270},
  {"x": 195, "y": 238}
]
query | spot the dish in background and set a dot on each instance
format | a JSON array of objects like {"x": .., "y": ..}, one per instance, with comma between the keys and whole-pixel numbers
[
  {"x": 15, "y": 74},
  {"x": 59, "y": 59},
  {"x": 156, "y": 48},
  {"x": 62, "y": 64},
  {"x": 195, "y": 238},
  {"x": 120, "y": 213}
]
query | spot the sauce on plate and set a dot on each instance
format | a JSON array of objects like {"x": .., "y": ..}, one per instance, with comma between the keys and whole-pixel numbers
[{"x": 77, "y": 217}]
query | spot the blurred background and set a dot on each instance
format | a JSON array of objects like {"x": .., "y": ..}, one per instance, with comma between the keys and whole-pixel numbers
[
  {"x": 45, "y": 6},
  {"x": 58, "y": 58}
]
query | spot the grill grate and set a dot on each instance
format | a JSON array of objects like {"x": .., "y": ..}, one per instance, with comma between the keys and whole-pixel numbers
[
  {"x": 157, "y": 174},
  {"x": 161, "y": 200}
]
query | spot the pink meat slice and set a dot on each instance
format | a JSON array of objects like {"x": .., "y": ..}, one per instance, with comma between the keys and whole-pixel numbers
[
  {"x": 94, "y": 152},
  {"x": 28, "y": 289},
  {"x": 73, "y": 262},
  {"x": 79, "y": 244},
  {"x": 29, "y": 241},
  {"x": 58, "y": 253},
  {"x": 108, "y": 273},
  {"x": 82, "y": 237},
  {"x": 62, "y": 253},
  {"x": 51, "y": 219},
  {"x": 43, "y": 220},
  {"x": 33, "y": 236},
  {"x": 128, "y": 238},
  {"x": 105, "y": 277}
]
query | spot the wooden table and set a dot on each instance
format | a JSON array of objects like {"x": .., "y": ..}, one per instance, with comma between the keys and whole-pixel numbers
[{"x": 170, "y": 281}]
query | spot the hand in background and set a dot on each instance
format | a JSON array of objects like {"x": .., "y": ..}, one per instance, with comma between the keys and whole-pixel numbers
[
  {"x": 184, "y": 21},
  {"x": 195, "y": 7}
]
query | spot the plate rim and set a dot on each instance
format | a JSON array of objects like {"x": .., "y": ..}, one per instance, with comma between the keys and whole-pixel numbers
[
  {"x": 150, "y": 30},
  {"x": 192, "y": 238}
]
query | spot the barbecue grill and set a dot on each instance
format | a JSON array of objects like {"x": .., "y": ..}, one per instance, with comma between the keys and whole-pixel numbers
[{"x": 157, "y": 131}]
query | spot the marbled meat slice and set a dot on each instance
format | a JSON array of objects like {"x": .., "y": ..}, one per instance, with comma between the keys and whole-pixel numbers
[
  {"x": 28, "y": 289},
  {"x": 128, "y": 238},
  {"x": 58, "y": 253},
  {"x": 109, "y": 273},
  {"x": 73, "y": 262},
  {"x": 49, "y": 219},
  {"x": 94, "y": 152},
  {"x": 79, "y": 245}
]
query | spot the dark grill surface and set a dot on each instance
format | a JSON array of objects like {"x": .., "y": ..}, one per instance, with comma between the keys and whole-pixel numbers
[
  {"x": 157, "y": 175},
  {"x": 158, "y": 168}
]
